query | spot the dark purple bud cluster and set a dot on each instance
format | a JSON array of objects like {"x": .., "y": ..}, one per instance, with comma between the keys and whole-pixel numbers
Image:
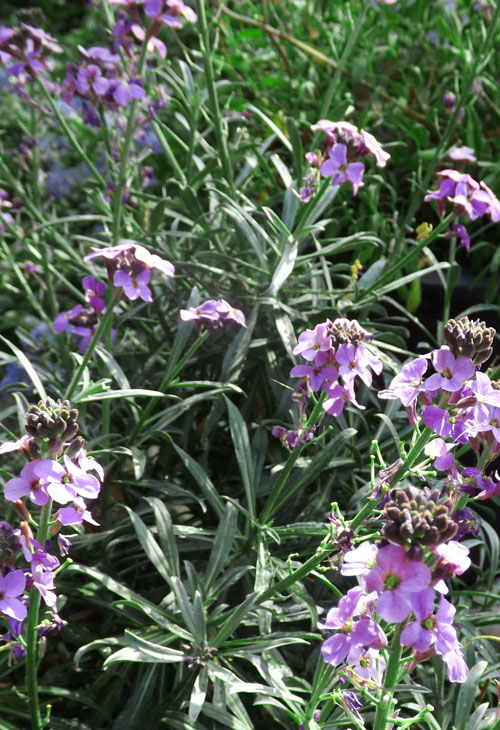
[
  {"x": 470, "y": 338},
  {"x": 343, "y": 331},
  {"x": 198, "y": 656},
  {"x": 418, "y": 518},
  {"x": 52, "y": 420}
]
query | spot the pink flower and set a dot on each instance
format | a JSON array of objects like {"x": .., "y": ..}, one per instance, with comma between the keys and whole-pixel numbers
[
  {"x": 313, "y": 341},
  {"x": 12, "y": 586},
  {"x": 129, "y": 266},
  {"x": 396, "y": 579},
  {"x": 451, "y": 373}
]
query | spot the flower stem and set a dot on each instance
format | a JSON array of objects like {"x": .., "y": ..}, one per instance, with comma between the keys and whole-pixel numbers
[
  {"x": 275, "y": 494},
  {"x": 32, "y": 632},
  {"x": 107, "y": 317},
  {"x": 384, "y": 706},
  {"x": 117, "y": 204}
]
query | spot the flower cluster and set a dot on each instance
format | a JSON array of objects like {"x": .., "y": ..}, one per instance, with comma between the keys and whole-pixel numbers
[
  {"x": 214, "y": 314},
  {"x": 460, "y": 403},
  {"x": 59, "y": 471},
  {"x": 24, "y": 51},
  {"x": 129, "y": 266},
  {"x": 335, "y": 350},
  {"x": 101, "y": 79},
  {"x": 468, "y": 197},
  {"x": 394, "y": 587},
  {"x": 345, "y": 146},
  {"x": 83, "y": 321},
  {"x": 159, "y": 12},
  {"x": 335, "y": 356}
]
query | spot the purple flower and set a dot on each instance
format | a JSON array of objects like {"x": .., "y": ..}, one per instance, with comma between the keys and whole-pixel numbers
[
  {"x": 12, "y": 586},
  {"x": 396, "y": 579},
  {"x": 360, "y": 560},
  {"x": 453, "y": 559},
  {"x": 317, "y": 373},
  {"x": 438, "y": 631},
  {"x": 364, "y": 632},
  {"x": 43, "y": 581},
  {"x": 407, "y": 385},
  {"x": 464, "y": 153},
  {"x": 354, "y": 360},
  {"x": 445, "y": 424},
  {"x": 68, "y": 481},
  {"x": 134, "y": 287},
  {"x": 94, "y": 290},
  {"x": 461, "y": 231},
  {"x": 449, "y": 100},
  {"x": 313, "y": 341},
  {"x": 340, "y": 171},
  {"x": 214, "y": 314},
  {"x": 451, "y": 373},
  {"x": 439, "y": 450},
  {"x": 63, "y": 320},
  {"x": 366, "y": 663},
  {"x": 31, "y": 482},
  {"x": 129, "y": 266},
  {"x": 75, "y": 514}
]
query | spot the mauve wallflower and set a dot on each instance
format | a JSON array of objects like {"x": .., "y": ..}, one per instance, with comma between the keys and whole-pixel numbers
[
  {"x": 360, "y": 560},
  {"x": 316, "y": 373},
  {"x": 462, "y": 154},
  {"x": 439, "y": 450},
  {"x": 31, "y": 482},
  {"x": 12, "y": 587},
  {"x": 408, "y": 384},
  {"x": 363, "y": 632},
  {"x": 313, "y": 341},
  {"x": 438, "y": 631},
  {"x": 456, "y": 229},
  {"x": 451, "y": 373},
  {"x": 75, "y": 514},
  {"x": 129, "y": 266},
  {"x": 340, "y": 170},
  {"x": 214, "y": 313},
  {"x": 366, "y": 663},
  {"x": 446, "y": 424},
  {"x": 396, "y": 580}
]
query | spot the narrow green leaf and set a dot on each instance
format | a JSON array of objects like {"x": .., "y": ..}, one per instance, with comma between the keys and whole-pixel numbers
[
  {"x": 242, "y": 451},
  {"x": 466, "y": 695},
  {"x": 166, "y": 534},
  {"x": 26, "y": 364},
  {"x": 201, "y": 478},
  {"x": 224, "y": 538}
]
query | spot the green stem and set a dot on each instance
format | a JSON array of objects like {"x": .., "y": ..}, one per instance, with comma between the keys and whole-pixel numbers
[
  {"x": 275, "y": 494},
  {"x": 124, "y": 153},
  {"x": 107, "y": 317},
  {"x": 384, "y": 706},
  {"x": 32, "y": 632},
  {"x": 451, "y": 278},
  {"x": 220, "y": 132}
]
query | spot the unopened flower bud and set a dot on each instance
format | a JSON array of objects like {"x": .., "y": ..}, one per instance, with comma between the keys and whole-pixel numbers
[
  {"x": 74, "y": 447},
  {"x": 416, "y": 518},
  {"x": 472, "y": 339}
]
